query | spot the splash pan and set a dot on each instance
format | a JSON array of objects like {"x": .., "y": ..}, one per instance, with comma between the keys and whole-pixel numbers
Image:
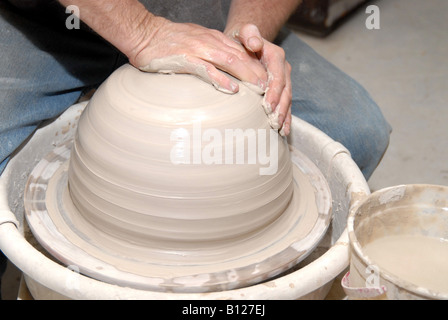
[{"x": 207, "y": 267}]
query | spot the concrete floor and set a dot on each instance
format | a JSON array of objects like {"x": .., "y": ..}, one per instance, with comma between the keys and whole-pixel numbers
[{"x": 404, "y": 67}]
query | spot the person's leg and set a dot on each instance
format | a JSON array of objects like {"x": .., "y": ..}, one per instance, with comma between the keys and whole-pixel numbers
[
  {"x": 329, "y": 99},
  {"x": 44, "y": 69}
]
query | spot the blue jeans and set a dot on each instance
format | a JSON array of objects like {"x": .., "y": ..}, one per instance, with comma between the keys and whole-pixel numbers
[
  {"x": 45, "y": 68},
  {"x": 329, "y": 99}
]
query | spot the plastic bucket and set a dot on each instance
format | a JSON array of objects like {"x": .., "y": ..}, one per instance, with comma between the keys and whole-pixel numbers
[{"x": 399, "y": 244}]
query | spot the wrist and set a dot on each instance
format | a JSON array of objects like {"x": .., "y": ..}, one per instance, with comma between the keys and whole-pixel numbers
[{"x": 142, "y": 34}]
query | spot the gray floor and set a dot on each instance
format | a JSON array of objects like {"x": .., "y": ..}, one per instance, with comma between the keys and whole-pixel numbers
[{"x": 404, "y": 67}]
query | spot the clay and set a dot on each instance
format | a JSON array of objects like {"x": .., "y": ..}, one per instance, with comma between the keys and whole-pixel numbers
[
  {"x": 179, "y": 64},
  {"x": 182, "y": 258},
  {"x": 122, "y": 166},
  {"x": 170, "y": 184},
  {"x": 193, "y": 266}
]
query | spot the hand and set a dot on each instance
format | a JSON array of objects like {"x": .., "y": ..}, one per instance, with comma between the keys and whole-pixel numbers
[
  {"x": 278, "y": 94},
  {"x": 190, "y": 48}
]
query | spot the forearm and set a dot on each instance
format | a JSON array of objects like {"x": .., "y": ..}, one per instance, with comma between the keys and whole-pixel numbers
[
  {"x": 126, "y": 24},
  {"x": 268, "y": 15}
]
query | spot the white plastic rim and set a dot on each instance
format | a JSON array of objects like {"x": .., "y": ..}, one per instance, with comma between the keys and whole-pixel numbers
[{"x": 347, "y": 185}]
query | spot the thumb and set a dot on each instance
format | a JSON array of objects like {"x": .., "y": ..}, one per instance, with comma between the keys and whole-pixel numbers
[{"x": 250, "y": 37}]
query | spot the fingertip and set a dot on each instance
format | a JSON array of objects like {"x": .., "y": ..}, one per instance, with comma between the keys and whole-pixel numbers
[
  {"x": 232, "y": 88},
  {"x": 285, "y": 130},
  {"x": 287, "y": 124},
  {"x": 254, "y": 44},
  {"x": 250, "y": 37},
  {"x": 220, "y": 81}
]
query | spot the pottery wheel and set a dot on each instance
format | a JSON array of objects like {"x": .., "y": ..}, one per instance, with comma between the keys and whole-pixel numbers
[
  {"x": 136, "y": 199},
  {"x": 242, "y": 262}
]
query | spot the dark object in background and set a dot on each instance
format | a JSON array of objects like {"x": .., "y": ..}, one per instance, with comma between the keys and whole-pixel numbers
[
  {"x": 321, "y": 17},
  {"x": 3, "y": 262}
]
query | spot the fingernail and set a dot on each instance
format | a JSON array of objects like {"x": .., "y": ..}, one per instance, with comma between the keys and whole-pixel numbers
[
  {"x": 254, "y": 43},
  {"x": 267, "y": 107},
  {"x": 273, "y": 121},
  {"x": 285, "y": 130},
  {"x": 282, "y": 132},
  {"x": 233, "y": 87}
]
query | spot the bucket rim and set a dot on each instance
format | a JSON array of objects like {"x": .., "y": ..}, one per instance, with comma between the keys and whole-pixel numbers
[{"x": 356, "y": 247}]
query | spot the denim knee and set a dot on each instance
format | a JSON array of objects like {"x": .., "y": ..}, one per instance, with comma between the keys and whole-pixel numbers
[
  {"x": 362, "y": 130},
  {"x": 371, "y": 143}
]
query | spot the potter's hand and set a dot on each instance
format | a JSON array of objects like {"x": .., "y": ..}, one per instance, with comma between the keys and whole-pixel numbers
[
  {"x": 278, "y": 96},
  {"x": 190, "y": 48}
]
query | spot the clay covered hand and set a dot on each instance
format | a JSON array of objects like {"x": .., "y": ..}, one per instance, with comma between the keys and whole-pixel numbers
[
  {"x": 156, "y": 44},
  {"x": 278, "y": 95},
  {"x": 193, "y": 49},
  {"x": 245, "y": 54}
]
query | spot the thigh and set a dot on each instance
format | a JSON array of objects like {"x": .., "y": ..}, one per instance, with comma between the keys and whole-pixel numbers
[
  {"x": 335, "y": 103},
  {"x": 44, "y": 68}
]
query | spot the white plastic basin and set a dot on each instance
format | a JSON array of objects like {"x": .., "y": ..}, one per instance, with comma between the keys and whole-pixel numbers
[{"x": 311, "y": 280}]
